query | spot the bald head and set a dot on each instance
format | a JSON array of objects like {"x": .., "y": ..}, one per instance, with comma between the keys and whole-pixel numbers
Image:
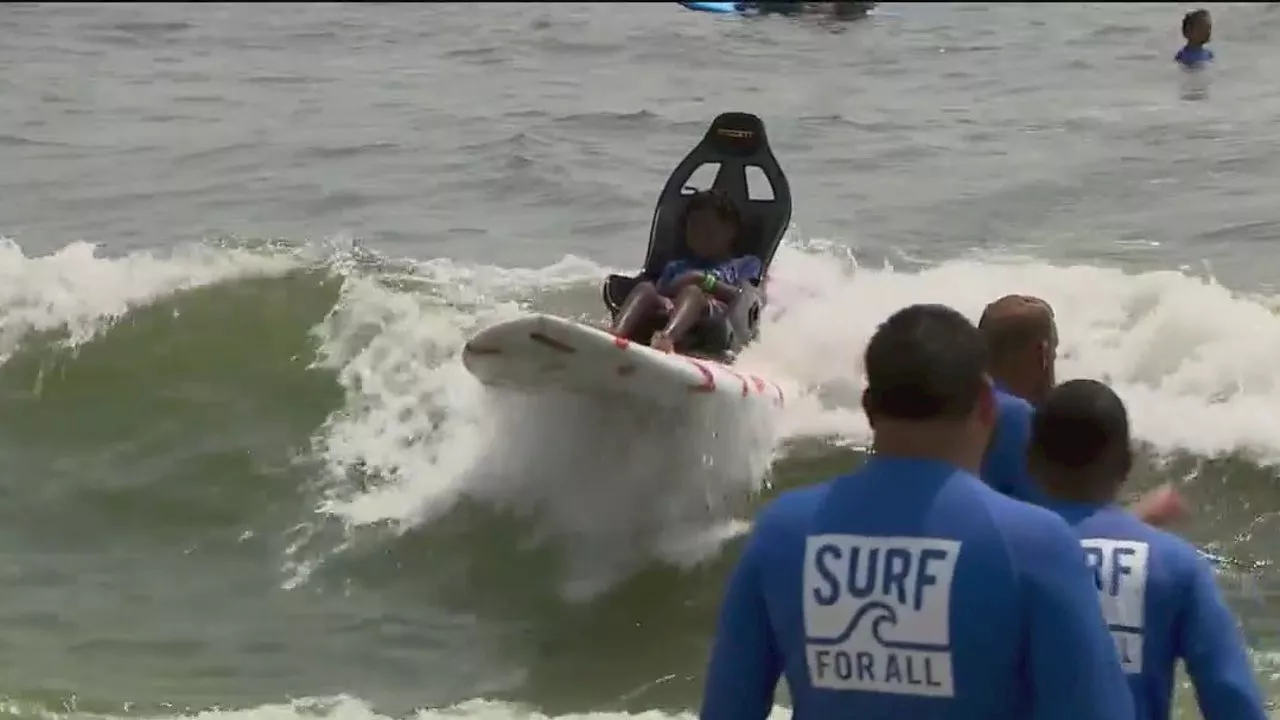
[
  {"x": 1022, "y": 344},
  {"x": 1015, "y": 322}
]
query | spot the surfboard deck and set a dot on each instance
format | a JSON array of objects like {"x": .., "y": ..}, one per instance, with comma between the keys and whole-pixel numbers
[{"x": 539, "y": 353}]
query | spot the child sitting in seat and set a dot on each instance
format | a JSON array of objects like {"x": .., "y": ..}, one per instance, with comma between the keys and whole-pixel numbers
[{"x": 696, "y": 289}]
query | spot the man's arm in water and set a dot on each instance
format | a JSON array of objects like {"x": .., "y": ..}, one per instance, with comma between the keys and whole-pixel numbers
[
  {"x": 1210, "y": 644},
  {"x": 1075, "y": 669},
  {"x": 745, "y": 661},
  {"x": 1160, "y": 507}
]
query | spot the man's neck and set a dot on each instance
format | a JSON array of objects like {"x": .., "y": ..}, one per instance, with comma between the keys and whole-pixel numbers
[
  {"x": 1079, "y": 491},
  {"x": 1010, "y": 383},
  {"x": 940, "y": 442}
]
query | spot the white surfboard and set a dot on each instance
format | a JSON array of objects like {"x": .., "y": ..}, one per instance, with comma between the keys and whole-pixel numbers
[{"x": 537, "y": 353}]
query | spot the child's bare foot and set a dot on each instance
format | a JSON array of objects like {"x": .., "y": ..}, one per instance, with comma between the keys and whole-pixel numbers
[{"x": 662, "y": 342}]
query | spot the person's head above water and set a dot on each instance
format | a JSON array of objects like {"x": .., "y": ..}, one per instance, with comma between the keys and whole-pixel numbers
[
  {"x": 1080, "y": 446},
  {"x": 1197, "y": 27},
  {"x": 1022, "y": 344},
  {"x": 711, "y": 224},
  {"x": 928, "y": 394}
]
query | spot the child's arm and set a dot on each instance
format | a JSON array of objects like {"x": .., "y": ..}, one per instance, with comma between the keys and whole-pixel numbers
[{"x": 743, "y": 270}]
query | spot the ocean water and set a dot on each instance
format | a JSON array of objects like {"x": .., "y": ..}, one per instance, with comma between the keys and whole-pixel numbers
[{"x": 245, "y": 475}]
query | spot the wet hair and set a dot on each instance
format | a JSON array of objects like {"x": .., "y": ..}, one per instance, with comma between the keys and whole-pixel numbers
[
  {"x": 1190, "y": 19},
  {"x": 1016, "y": 322},
  {"x": 926, "y": 362},
  {"x": 716, "y": 201},
  {"x": 1079, "y": 425}
]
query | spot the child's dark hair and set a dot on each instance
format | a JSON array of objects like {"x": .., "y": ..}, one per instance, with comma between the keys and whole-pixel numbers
[
  {"x": 1190, "y": 19},
  {"x": 716, "y": 201}
]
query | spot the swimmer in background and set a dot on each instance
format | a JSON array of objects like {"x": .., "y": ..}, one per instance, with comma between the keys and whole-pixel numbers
[
  {"x": 1197, "y": 28},
  {"x": 846, "y": 10},
  {"x": 1158, "y": 594},
  {"x": 841, "y": 10}
]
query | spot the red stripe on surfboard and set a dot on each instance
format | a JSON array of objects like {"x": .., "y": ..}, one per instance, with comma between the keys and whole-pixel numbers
[
  {"x": 708, "y": 378},
  {"x": 481, "y": 350},
  {"x": 746, "y": 386},
  {"x": 552, "y": 342}
]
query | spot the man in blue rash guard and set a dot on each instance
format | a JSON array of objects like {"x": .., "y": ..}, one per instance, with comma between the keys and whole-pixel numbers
[
  {"x": 1197, "y": 29},
  {"x": 1159, "y": 596},
  {"x": 1022, "y": 347},
  {"x": 909, "y": 588}
]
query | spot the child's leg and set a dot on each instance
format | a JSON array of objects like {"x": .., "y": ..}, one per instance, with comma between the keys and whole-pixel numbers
[
  {"x": 641, "y": 304},
  {"x": 691, "y": 305}
]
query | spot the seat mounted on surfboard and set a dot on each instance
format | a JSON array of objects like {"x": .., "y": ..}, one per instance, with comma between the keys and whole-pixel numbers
[{"x": 736, "y": 142}]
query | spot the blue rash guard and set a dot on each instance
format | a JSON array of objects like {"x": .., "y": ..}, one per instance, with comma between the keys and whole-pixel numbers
[
  {"x": 1191, "y": 57},
  {"x": 735, "y": 272},
  {"x": 1005, "y": 465},
  {"x": 1162, "y": 603},
  {"x": 910, "y": 589}
]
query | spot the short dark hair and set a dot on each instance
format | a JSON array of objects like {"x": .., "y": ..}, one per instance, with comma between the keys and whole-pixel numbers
[
  {"x": 718, "y": 202},
  {"x": 1079, "y": 424},
  {"x": 926, "y": 362},
  {"x": 1190, "y": 19}
]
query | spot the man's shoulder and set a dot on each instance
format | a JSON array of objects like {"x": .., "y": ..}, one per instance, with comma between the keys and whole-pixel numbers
[
  {"x": 1176, "y": 552},
  {"x": 1027, "y": 528},
  {"x": 1011, "y": 405},
  {"x": 791, "y": 509},
  {"x": 1013, "y": 421},
  {"x": 1019, "y": 512},
  {"x": 1120, "y": 524},
  {"x": 1015, "y": 521},
  {"x": 802, "y": 499}
]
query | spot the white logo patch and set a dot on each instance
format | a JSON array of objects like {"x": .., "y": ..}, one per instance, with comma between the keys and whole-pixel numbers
[
  {"x": 877, "y": 613},
  {"x": 1120, "y": 570}
]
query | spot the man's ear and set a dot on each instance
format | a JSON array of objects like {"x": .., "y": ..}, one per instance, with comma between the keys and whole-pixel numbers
[
  {"x": 868, "y": 408},
  {"x": 1045, "y": 349},
  {"x": 987, "y": 410}
]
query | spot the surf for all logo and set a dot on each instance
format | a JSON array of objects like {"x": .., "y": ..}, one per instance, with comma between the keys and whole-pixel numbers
[
  {"x": 1120, "y": 570},
  {"x": 877, "y": 613}
]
